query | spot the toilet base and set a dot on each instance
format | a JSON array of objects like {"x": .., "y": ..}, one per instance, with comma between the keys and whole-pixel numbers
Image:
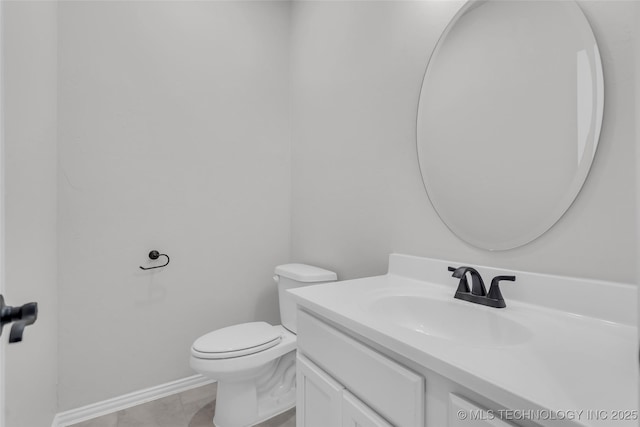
[{"x": 250, "y": 401}]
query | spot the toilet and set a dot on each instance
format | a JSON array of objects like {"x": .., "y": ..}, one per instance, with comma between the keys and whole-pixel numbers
[{"x": 255, "y": 363}]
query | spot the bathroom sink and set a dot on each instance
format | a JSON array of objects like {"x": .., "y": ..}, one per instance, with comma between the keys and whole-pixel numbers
[
  {"x": 538, "y": 353},
  {"x": 454, "y": 320}
]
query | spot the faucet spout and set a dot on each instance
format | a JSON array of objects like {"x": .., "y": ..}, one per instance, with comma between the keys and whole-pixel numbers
[{"x": 477, "y": 284}]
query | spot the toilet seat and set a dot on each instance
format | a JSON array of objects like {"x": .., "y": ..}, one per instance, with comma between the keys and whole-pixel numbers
[
  {"x": 237, "y": 340},
  {"x": 230, "y": 367}
]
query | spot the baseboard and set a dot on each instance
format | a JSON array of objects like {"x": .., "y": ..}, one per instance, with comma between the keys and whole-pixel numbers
[{"x": 84, "y": 413}]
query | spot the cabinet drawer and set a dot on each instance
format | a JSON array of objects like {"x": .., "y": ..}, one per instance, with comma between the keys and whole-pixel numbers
[
  {"x": 393, "y": 391},
  {"x": 463, "y": 413}
]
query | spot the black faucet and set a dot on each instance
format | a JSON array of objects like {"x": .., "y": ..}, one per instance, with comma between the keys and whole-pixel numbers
[{"x": 478, "y": 293}]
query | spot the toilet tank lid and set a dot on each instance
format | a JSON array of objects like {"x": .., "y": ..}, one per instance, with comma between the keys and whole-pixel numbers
[{"x": 305, "y": 273}]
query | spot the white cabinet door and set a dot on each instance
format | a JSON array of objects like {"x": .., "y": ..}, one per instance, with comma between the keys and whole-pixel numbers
[
  {"x": 319, "y": 397},
  {"x": 463, "y": 413},
  {"x": 357, "y": 414}
]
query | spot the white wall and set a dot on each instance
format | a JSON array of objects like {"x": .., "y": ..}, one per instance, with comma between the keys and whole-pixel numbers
[
  {"x": 357, "y": 191},
  {"x": 173, "y": 135},
  {"x": 29, "y": 45}
]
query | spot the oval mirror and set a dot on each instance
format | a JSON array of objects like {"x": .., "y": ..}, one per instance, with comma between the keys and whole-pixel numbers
[{"x": 509, "y": 118}]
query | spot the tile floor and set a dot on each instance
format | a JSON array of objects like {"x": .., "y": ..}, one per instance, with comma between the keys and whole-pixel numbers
[{"x": 192, "y": 408}]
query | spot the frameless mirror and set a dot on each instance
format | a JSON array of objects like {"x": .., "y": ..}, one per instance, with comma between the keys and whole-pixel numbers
[{"x": 509, "y": 118}]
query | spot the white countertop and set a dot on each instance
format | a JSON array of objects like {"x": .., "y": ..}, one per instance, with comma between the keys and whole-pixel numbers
[{"x": 562, "y": 362}]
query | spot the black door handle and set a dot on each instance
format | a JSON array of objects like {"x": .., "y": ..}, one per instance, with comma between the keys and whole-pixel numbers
[{"x": 21, "y": 317}]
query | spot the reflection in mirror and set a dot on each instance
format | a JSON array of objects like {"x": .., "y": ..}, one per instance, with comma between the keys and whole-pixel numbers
[{"x": 509, "y": 119}]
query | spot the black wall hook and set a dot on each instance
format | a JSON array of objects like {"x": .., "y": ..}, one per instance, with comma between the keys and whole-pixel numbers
[{"x": 155, "y": 255}]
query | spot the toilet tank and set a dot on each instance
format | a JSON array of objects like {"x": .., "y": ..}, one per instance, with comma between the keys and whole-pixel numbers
[{"x": 290, "y": 276}]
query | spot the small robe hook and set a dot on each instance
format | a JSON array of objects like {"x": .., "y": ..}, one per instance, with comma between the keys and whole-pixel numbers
[{"x": 155, "y": 255}]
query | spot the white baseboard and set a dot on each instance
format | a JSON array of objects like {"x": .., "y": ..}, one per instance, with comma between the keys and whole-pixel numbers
[{"x": 77, "y": 415}]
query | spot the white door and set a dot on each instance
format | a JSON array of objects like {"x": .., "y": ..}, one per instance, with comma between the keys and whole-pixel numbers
[
  {"x": 13, "y": 320},
  {"x": 319, "y": 397},
  {"x": 2, "y": 345},
  {"x": 637, "y": 83},
  {"x": 357, "y": 414}
]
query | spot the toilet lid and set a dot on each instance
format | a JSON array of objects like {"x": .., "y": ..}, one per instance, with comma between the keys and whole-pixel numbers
[{"x": 245, "y": 338}]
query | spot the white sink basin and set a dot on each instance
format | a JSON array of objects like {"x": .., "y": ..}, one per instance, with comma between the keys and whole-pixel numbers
[{"x": 460, "y": 321}]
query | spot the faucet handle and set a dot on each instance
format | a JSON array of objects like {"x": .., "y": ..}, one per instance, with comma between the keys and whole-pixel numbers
[{"x": 494, "y": 290}]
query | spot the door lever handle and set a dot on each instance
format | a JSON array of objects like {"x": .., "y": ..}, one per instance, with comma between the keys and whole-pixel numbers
[
  {"x": 21, "y": 317},
  {"x": 29, "y": 316}
]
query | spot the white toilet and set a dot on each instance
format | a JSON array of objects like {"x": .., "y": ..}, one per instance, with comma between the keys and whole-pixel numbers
[{"x": 255, "y": 363}]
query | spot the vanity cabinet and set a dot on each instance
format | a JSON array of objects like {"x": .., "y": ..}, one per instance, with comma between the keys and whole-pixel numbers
[
  {"x": 342, "y": 382},
  {"x": 463, "y": 413},
  {"x": 413, "y": 355}
]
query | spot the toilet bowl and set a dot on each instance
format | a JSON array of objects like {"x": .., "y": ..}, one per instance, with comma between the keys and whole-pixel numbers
[{"x": 254, "y": 363}]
